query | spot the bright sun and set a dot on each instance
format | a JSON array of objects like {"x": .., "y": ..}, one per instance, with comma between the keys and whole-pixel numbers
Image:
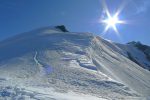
[{"x": 111, "y": 20}]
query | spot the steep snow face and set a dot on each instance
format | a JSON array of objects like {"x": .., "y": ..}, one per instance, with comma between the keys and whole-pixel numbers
[
  {"x": 111, "y": 60},
  {"x": 138, "y": 53},
  {"x": 77, "y": 62}
]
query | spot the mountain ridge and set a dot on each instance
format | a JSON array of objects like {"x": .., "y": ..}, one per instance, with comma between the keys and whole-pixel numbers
[{"x": 81, "y": 62}]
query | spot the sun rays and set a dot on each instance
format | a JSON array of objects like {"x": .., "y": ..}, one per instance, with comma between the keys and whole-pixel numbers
[{"x": 110, "y": 20}]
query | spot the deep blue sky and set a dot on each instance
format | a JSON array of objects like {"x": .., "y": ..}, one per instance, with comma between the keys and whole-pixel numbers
[{"x": 17, "y": 16}]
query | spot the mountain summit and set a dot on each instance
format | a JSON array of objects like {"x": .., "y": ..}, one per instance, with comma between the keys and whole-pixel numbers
[
  {"x": 62, "y": 28},
  {"x": 52, "y": 63}
]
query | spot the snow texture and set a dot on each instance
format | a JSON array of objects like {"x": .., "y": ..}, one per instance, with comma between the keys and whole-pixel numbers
[{"x": 48, "y": 64}]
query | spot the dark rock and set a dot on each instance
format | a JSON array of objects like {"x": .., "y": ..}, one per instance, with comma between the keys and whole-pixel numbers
[{"x": 62, "y": 28}]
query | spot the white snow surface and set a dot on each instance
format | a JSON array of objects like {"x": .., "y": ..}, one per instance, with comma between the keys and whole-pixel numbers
[
  {"x": 47, "y": 64},
  {"x": 137, "y": 54}
]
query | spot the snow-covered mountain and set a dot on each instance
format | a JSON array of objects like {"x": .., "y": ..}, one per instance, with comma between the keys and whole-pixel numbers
[
  {"x": 51, "y": 63},
  {"x": 142, "y": 57}
]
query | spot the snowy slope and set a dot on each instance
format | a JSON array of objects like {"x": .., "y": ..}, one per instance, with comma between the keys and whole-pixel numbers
[
  {"x": 138, "y": 53},
  {"x": 52, "y": 64}
]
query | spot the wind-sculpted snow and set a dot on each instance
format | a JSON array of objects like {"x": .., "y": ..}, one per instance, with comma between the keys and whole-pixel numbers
[
  {"x": 82, "y": 63},
  {"x": 117, "y": 66},
  {"x": 40, "y": 93}
]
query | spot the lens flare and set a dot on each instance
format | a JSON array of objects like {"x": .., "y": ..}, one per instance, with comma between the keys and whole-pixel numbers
[{"x": 111, "y": 20}]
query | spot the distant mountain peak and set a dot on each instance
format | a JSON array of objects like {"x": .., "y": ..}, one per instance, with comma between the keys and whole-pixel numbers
[
  {"x": 134, "y": 42},
  {"x": 139, "y": 45}
]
